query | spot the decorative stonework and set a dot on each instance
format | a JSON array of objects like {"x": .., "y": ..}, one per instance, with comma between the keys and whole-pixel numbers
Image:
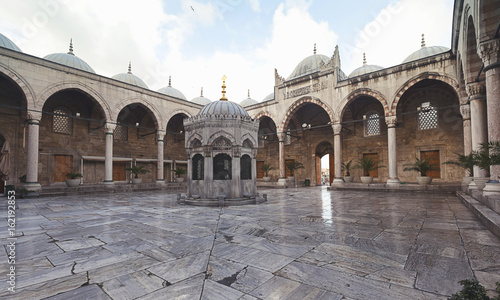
[
  {"x": 391, "y": 121},
  {"x": 465, "y": 111},
  {"x": 337, "y": 129},
  {"x": 489, "y": 52},
  {"x": 306, "y": 90},
  {"x": 476, "y": 90},
  {"x": 277, "y": 78}
]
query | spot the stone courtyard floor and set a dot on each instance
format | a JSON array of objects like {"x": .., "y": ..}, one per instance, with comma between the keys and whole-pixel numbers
[{"x": 307, "y": 243}]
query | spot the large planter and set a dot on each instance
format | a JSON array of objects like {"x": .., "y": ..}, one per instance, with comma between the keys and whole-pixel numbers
[
  {"x": 466, "y": 180},
  {"x": 491, "y": 188},
  {"x": 366, "y": 179},
  {"x": 136, "y": 180},
  {"x": 73, "y": 182},
  {"x": 348, "y": 178},
  {"x": 266, "y": 178},
  {"x": 179, "y": 179},
  {"x": 291, "y": 178},
  {"x": 424, "y": 180},
  {"x": 478, "y": 183}
]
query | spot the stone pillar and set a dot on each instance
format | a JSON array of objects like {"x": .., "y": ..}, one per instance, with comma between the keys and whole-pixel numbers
[
  {"x": 337, "y": 153},
  {"x": 236, "y": 176},
  {"x": 254, "y": 171},
  {"x": 479, "y": 133},
  {"x": 32, "y": 183},
  {"x": 108, "y": 155},
  {"x": 282, "y": 179},
  {"x": 391, "y": 150},
  {"x": 465, "y": 112},
  {"x": 208, "y": 172},
  {"x": 160, "y": 178},
  {"x": 489, "y": 52}
]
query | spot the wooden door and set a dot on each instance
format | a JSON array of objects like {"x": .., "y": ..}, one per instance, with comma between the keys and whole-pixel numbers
[
  {"x": 260, "y": 172},
  {"x": 332, "y": 167},
  {"x": 373, "y": 173},
  {"x": 433, "y": 157},
  {"x": 119, "y": 173},
  {"x": 62, "y": 165},
  {"x": 288, "y": 173},
  {"x": 318, "y": 170}
]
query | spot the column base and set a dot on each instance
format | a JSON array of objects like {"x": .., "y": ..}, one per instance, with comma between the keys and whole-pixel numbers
[
  {"x": 160, "y": 182},
  {"x": 108, "y": 182},
  {"x": 337, "y": 181},
  {"x": 491, "y": 189},
  {"x": 32, "y": 186},
  {"x": 282, "y": 181},
  {"x": 393, "y": 181}
]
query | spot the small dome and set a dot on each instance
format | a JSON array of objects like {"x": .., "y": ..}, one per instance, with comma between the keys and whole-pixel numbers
[
  {"x": 201, "y": 100},
  {"x": 309, "y": 65},
  {"x": 248, "y": 101},
  {"x": 424, "y": 52},
  {"x": 365, "y": 69},
  {"x": 5, "y": 42},
  {"x": 223, "y": 107},
  {"x": 170, "y": 91},
  {"x": 130, "y": 78},
  {"x": 69, "y": 59},
  {"x": 268, "y": 97}
]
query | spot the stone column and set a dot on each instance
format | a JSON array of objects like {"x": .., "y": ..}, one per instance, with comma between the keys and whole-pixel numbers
[
  {"x": 465, "y": 112},
  {"x": 254, "y": 171},
  {"x": 337, "y": 153},
  {"x": 479, "y": 133},
  {"x": 208, "y": 172},
  {"x": 391, "y": 150},
  {"x": 282, "y": 179},
  {"x": 160, "y": 166},
  {"x": 108, "y": 155},
  {"x": 236, "y": 176},
  {"x": 32, "y": 183},
  {"x": 489, "y": 52}
]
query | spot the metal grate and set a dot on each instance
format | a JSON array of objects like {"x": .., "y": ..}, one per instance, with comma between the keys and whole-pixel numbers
[
  {"x": 246, "y": 167},
  {"x": 222, "y": 167},
  {"x": 120, "y": 133},
  {"x": 288, "y": 137},
  {"x": 427, "y": 116},
  {"x": 61, "y": 123},
  {"x": 198, "y": 167},
  {"x": 372, "y": 124}
]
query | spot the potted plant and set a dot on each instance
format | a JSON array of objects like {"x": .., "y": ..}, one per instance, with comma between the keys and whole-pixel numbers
[
  {"x": 466, "y": 162},
  {"x": 346, "y": 166},
  {"x": 179, "y": 172},
  {"x": 488, "y": 155},
  {"x": 73, "y": 179},
  {"x": 368, "y": 164},
  {"x": 422, "y": 166},
  {"x": 266, "y": 168},
  {"x": 137, "y": 170},
  {"x": 293, "y": 166}
]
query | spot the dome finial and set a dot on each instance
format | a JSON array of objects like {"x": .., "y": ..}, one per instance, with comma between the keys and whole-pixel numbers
[
  {"x": 248, "y": 93},
  {"x": 71, "y": 47},
  {"x": 423, "y": 41},
  {"x": 130, "y": 67},
  {"x": 314, "y": 48},
  {"x": 201, "y": 92},
  {"x": 364, "y": 58},
  {"x": 224, "y": 88},
  {"x": 170, "y": 81}
]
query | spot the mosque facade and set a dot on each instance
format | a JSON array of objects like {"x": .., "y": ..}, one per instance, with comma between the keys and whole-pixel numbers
[{"x": 58, "y": 116}]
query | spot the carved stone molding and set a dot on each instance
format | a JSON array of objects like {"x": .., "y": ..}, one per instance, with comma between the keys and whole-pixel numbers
[
  {"x": 489, "y": 52},
  {"x": 391, "y": 121},
  {"x": 337, "y": 129},
  {"x": 34, "y": 115},
  {"x": 465, "y": 111},
  {"x": 110, "y": 127},
  {"x": 476, "y": 90}
]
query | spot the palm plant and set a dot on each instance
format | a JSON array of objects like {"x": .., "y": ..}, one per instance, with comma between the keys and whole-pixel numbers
[
  {"x": 74, "y": 175},
  {"x": 466, "y": 162},
  {"x": 421, "y": 165},
  {"x": 346, "y": 166},
  {"x": 293, "y": 166},
  {"x": 179, "y": 171},
  {"x": 266, "y": 167},
  {"x": 368, "y": 164},
  {"x": 136, "y": 170}
]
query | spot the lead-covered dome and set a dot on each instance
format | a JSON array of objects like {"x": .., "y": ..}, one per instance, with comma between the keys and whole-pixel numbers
[
  {"x": 201, "y": 100},
  {"x": 424, "y": 52},
  {"x": 223, "y": 106},
  {"x": 248, "y": 101},
  {"x": 309, "y": 65},
  {"x": 69, "y": 59},
  {"x": 5, "y": 42},
  {"x": 130, "y": 78},
  {"x": 172, "y": 92},
  {"x": 268, "y": 97},
  {"x": 365, "y": 69}
]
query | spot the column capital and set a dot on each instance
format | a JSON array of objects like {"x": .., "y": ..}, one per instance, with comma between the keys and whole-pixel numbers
[
  {"x": 160, "y": 134},
  {"x": 337, "y": 129},
  {"x": 110, "y": 127},
  {"x": 391, "y": 121},
  {"x": 281, "y": 137},
  {"x": 34, "y": 116},
  {"x": 489, "y": 52},
  {"x": 476, "y": 90},
  {"x": 465, "y": 111}
]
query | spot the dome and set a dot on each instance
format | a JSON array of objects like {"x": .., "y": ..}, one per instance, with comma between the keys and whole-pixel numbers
[
  {"x": 5, "y": 42},
  {"x": 268, "y": 97},
  {"x": 69, "y": 59},
  {"x": 223, "y": 107},
  {"x": 309, "y": 65},
  {"x": 130, "y": 78},
  {"x": 425, "y": 52},
  {"x": 365, "y": 69},
  {"x": 170, "y": 91},
  {"x": 248, "y": 101},
  {"x": 201, "y": 100}
]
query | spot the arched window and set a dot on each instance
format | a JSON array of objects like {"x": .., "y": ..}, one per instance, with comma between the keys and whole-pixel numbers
[
  {"x": 372, "y": 123},
  {"x": 222, "y": 167},
  {"x": 196, "y": 144},
  {"x": 61, "y": 122},
  {"x": 198, "y": 167},
  {"x": 427, "y": 116},
  {"x": 246, "y": 167}
]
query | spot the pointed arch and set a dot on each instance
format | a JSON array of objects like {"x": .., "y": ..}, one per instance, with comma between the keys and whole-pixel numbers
[
  {"x": 250, "y": 139},
  {"x": 149, "y": 107},
  {"x": 191, "y": 140},
  {"x": 358, "y": 93},
  {"x": 170, "y": 115},
  {"x": 266, "y": 114},
  {"x": 221, "y": 133},
  {"x": 23, "y": 85},
  {"x": 292, "y": 109}
]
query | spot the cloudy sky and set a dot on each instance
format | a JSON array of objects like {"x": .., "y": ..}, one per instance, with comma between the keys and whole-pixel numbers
[{"x": 198, "y": 41}]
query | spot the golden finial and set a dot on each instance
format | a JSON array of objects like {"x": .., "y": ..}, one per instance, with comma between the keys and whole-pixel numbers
[
  {"x": 423, "y": 41},
  {"x": 364, "y": 58},
  {"x": 224, "y": 88}
]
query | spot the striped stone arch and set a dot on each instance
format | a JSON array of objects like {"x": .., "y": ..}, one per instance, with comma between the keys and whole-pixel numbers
[
  {"x": 175, "y": 112},
  {"x": 452, "y": 82},
  {"x": 220, "y": 133},
  {"x": 298, "y": 104},
  {"x": 76, "y": 86},
  {"x": 266, "y": 114},
  {"x": 22, "y": 84},
  {"x": 358, "y": 93},
  {"x": 156, "y": 114}
]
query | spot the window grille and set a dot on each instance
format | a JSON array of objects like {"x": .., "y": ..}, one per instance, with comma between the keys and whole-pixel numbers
[
  {"x": 198, "y": 167},
  {"x": 372, "y": 124},
  {"x": 288, "y": 137},
  {"x": 61, "y": 123},
  {"x": 427, "y": 116},
  {"x": 120, "y": 133},
  {"x": 246, "y": 167},
  {"x": 222, "y": 167}
]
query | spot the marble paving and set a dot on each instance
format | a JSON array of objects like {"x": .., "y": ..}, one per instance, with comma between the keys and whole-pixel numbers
[{"x": 306, "y": 243}]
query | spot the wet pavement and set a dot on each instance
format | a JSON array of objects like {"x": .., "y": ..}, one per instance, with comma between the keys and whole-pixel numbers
[{"x": 307, "y": 243}]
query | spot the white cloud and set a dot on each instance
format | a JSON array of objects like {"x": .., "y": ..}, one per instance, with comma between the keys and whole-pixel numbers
[{"x": 255, "y": 4}]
